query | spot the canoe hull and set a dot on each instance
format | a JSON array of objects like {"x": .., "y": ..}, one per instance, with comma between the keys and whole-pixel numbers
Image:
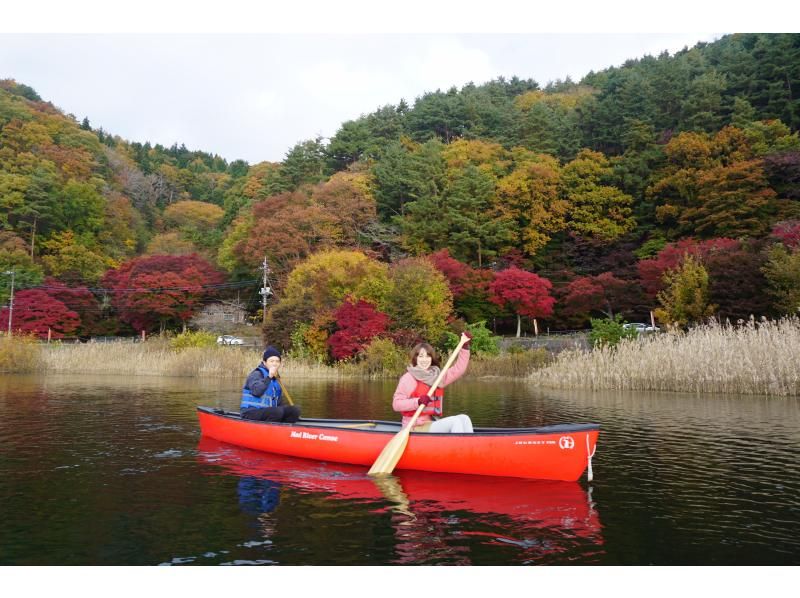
[{"x": 548, "y": 453}]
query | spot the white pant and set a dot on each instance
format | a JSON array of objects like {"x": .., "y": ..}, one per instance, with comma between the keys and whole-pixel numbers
[{"x": 459, "y": 424}]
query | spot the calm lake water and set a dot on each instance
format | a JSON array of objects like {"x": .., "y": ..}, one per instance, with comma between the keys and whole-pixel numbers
[{"x": 112, "y": 471}]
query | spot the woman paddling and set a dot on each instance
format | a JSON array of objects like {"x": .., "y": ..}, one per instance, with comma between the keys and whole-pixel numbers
[{"x": 412, "y": 390}]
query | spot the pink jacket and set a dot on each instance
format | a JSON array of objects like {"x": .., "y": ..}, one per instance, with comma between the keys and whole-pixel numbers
[{"x": 403, "y": 401}]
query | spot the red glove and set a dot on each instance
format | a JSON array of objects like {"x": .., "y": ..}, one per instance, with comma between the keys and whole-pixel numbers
[{"x": 424, "y": 400}]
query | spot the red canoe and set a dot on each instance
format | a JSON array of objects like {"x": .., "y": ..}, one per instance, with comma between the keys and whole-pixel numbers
[{"x": 559, "y": 452}]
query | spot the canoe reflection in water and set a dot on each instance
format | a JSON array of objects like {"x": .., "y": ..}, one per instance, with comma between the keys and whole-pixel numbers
[{"x": 430, "y": 512}]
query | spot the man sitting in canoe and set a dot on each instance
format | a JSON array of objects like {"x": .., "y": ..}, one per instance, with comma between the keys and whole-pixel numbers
[
  {"x": 262, "y": 396},
  {"x": 412, "y": 390}
]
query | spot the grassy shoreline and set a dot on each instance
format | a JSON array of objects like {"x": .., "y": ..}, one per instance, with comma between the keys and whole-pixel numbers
[
  {"x": 157, "y": 357},
  {"x": 759, "y": 358}
]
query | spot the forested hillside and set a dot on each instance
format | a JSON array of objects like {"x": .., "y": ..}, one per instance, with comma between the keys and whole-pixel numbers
[{"x": 669, "y": 183}]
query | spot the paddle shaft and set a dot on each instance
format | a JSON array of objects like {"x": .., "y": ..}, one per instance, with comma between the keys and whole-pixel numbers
[
  {"x": 286, "y": 392},
  {"x": 394, "y": 449}
]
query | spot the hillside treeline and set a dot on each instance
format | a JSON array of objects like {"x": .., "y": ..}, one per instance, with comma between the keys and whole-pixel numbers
[{"x": 669, "y": 183}]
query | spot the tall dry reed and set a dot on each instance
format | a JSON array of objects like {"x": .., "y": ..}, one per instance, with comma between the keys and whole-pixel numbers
[
  {"x": 158, "y": 358},
  {"x": 759, "y": 358},
  {"x": 19, "y": 354}
]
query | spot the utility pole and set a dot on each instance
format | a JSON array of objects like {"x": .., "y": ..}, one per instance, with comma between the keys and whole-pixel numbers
[
  {"x": 265, "y": 291},
  {"x": 10, "y": 301}
]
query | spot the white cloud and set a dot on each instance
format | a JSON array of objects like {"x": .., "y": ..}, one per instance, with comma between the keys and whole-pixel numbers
[{"x": 448, "y": 62}]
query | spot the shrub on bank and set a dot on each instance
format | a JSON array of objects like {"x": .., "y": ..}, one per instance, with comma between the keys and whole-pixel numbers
[
  {"x": 382, "y": 358},
  {"x": 483, "y": 341},
  {"x": 608, "y": 332},
  {"x": 191, "y": 339}
]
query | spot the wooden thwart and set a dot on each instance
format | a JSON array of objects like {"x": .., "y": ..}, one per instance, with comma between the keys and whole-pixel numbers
[{"x": 394, "y": 449}]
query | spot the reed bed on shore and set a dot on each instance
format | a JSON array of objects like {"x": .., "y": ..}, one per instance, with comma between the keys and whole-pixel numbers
[
  {"x": 158, "y": 357},
  {"x": 758, "y": 358},
  {"x": 512, "y": 364},
  {"x": 19, "y": 354}
]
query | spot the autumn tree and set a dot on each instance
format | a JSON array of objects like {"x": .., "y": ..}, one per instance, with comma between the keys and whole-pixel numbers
[
  {"x": 787, "y": 233},
  {"x": 596, "y": 208},
  {"x": 123, "y": 232},
  {"x": 524, "y": 293},
  {"x": 604, "y": 293},
  {"x": 161, "y": 290},
  {"x": 782, "y": 271},
  {"x": 319, "y": 285},
  {"x": 171, "y": 243},
  {"x": 469, "y": 286},
  {"x": 35, "y": 312},
  {"x": 686, "y": 297},
  {"x": 419, "y": 298},
  {"x": 348, "y": 196},
  {"x": 357, "y": 324},
  {"x": 83, "y": 302},
  {"x": 193, "y": 215},
  {"x": 73, "y": 257},
  {"x": 651, "y": 271},
  {"x": 287, "y": 228},
  {"x": 713, "y": 186},
  {"x": 14, "y": 257},
  {"x": 529, "y": 195}
]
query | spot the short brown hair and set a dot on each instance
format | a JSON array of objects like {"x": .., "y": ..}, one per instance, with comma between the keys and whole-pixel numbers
[{"x": 428, "y": 349}]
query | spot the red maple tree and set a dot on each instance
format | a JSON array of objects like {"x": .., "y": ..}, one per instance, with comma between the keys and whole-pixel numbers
[
  {"x": 83, "y": 302},
  {"x": 671, "y": 256},
  {"x": 35, "y": 312},
  {"x": 358, "y": 323},
  {"x": 470, "y": 286},
  {"x": 603, "y": 293},
  {"x": 523, "y": 292},
  {"x": 158, "y": 290},
  {"x": 788, "y": 233},
  {"x": 453, "y": 270}
]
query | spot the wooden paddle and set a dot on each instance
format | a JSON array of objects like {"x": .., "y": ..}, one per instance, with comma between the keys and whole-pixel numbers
[
  {"x": 286, "y": 392},
  {"x": 394, "y": 449}
]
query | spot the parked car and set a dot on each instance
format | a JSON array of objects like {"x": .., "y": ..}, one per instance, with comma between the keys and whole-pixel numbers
[
  {"x": 227, "y": 339},
  {"x": 640, "y": 327}
]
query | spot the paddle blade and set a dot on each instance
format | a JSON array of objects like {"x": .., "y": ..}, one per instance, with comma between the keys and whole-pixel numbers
[{"x": 391, "y": 453}]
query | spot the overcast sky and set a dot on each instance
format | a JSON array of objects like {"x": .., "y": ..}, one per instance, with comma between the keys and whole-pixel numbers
[{"x": 253, "y": 96}]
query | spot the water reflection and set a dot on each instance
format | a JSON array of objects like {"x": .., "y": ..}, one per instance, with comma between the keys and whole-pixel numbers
[{"x": 435, "y": 518}]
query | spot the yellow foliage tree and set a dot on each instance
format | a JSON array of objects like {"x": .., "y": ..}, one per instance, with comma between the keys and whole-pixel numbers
[
  {"x": 595, "y": 209},
  {"x": 197, "y": 215},
  {"x": 420, "y": 298},
  {"x": 530, "y": 196},
  {"x": 326, "y": 278},
  {"x": 686, "y": 298}
]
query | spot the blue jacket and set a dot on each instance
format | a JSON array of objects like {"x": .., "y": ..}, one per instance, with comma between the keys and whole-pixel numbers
[{"x": 260, "y": 390}]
